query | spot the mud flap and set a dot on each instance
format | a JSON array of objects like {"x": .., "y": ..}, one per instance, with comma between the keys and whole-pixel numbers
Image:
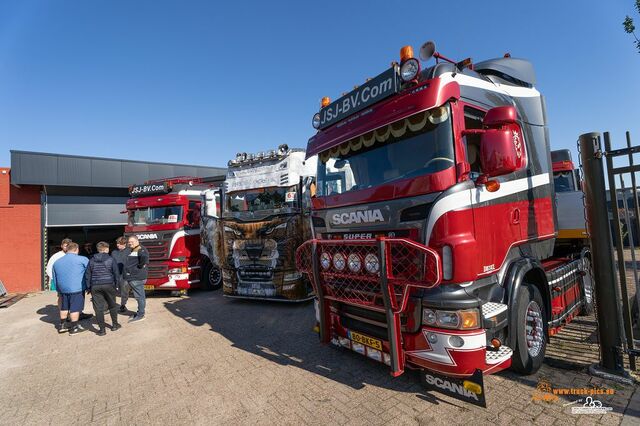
[{"x": 468, "y": 389}]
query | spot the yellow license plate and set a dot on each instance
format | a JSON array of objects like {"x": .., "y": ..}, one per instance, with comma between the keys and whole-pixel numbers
[
  {"x": 149, "y": 287},
  {"x": 365, "y": 340}
]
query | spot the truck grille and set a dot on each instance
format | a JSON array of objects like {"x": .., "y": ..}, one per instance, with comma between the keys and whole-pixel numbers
[
  {"x": 158, "y": 250},
  {"x": 157, "y": 271}
]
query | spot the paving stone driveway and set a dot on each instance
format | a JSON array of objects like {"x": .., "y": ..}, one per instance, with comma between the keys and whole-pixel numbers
[{"x": 204, "y": 359}]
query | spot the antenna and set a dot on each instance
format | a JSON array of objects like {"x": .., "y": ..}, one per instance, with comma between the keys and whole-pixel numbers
[{"x": 427, "y": 50}]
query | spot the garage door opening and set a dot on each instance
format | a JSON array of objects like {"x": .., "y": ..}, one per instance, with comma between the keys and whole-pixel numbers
[{"x": 85, "y": 236}]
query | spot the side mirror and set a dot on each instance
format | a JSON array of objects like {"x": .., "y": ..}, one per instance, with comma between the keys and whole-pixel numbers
[
  {"x": 211, "y": 204},
  {"x": 498, "y": 153},
  {"x": 500, "y": 116}
]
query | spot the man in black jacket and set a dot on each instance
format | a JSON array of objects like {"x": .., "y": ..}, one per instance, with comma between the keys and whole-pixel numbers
[
  {"x": 120, "y": 256},
  {"x": 135, "y": 272},
  {"x": 101, "y": 277}
]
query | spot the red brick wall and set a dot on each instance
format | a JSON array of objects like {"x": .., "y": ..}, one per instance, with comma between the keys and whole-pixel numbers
[{"x": 20, "y": 236}]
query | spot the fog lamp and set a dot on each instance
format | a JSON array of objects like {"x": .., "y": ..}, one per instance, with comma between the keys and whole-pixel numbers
[
  {"x": 456, "y": 341},
  {"x": 339, "y": 262},
  {"x": 325, "y": 260},
  {"x": 354, "y": 263},
  {"x": 371, "y": 263}
]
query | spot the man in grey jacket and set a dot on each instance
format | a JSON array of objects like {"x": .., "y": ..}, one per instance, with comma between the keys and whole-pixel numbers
[{"x": 120, "y": 256}]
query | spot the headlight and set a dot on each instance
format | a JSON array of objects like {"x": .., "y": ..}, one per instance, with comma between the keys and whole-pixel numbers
[
  {"x": 448, "y": 319},
  {"x": 316, "y": 121},
  {"x": 180, "y": 270},
  {"x": 371, "y": 263},
  {"x": 409, "y": 69},
  {"x": 461, "y": 320},
  {"x": 354, "y": 263},
  {"x": 325, "y": 260},
  {"x": 429, "y": 317},
  {"x": 339, "y": 262}
]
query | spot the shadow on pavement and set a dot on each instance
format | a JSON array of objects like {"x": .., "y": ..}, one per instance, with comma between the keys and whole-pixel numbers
[
  {"x": 283, "y": 333},
  {"x": 50, "y": 314}
]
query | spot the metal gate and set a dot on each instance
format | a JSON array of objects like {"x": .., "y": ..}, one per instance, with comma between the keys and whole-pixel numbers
[{"x": 617, "y": 216}]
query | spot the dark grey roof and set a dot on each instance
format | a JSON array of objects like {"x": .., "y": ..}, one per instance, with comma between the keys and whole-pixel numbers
[
  {"x": 516, "y": 69},
  {"x": 39, "y": 168}
]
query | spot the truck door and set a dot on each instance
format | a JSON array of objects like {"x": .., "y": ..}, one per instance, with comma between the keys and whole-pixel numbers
[{"x": 496, "y": 222}]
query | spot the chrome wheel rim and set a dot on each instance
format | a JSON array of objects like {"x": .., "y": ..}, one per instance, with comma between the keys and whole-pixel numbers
[{"x": 534, "y": 331}]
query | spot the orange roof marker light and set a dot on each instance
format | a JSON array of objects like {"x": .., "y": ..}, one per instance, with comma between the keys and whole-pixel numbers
[
  {"x": 406, "y": 53},
  {"x": 325, "y": 101},
  {"x": 410, "y": 67}
]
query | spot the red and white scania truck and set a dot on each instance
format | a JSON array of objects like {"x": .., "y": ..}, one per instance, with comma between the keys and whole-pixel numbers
[
  {"x": 165, "y": 216},
  {"x": 435, "y": 231}
]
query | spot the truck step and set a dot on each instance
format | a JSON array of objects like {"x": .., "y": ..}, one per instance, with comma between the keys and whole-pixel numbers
[
  {"x": 495, "y": 357},
  {"x": 491, "y": 309}
]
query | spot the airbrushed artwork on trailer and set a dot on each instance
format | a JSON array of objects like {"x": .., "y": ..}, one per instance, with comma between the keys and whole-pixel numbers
[{"x": 210, "y": 238}]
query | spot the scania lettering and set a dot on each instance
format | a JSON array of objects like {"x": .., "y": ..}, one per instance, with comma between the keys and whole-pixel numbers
[
  {"x": 368, "y": 216},
  {"x": 468, "y": 268},
  {"x": 165, "y": 216},
  {"x": 265, "y": 218}
]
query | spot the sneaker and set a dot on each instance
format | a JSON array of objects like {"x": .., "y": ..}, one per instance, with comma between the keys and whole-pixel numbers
[
  {"x": 84, "y": 316},
  {"x": 137, "y": 318},
  {"x": 123, "y": 309},
  {"x": 102, "y": 332},
  {"x": 116, "y": 326},
  {"x": 63, "y": 328},
  {"x": 76, "y": 330}
]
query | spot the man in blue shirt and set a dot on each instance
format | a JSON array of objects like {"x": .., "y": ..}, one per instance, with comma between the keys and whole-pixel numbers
[{"x": 68, "y": 272}]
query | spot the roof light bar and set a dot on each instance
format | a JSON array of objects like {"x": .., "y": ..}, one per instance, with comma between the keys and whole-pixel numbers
[{"x": 247, "y": 158}]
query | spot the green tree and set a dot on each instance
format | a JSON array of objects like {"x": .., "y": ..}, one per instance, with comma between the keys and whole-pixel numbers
[{"x": 630, "y": 28}]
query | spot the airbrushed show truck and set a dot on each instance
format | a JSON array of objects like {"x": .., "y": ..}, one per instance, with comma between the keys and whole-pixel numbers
[
  {"x": 435, "y": 234},
  {"x": 165, "y": 216},
  {"x": 264, "y": 220}
]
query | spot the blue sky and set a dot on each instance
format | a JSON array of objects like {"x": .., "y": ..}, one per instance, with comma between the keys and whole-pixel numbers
[{"x": 196, "y": 81}]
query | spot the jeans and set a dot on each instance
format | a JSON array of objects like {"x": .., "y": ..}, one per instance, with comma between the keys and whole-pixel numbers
[
  {"x": 103, "y": 296},
  {"x": 138, "y": 292},
  {"x": 124, "y": 292}
]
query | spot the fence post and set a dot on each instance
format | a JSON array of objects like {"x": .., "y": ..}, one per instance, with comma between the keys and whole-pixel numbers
[{"x": 609, "y": 324}]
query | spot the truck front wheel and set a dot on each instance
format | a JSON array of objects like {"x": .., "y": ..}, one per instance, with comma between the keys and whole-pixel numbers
[
  {"x": 530, "y": 329},
  {"x": 211, "y": 277}
]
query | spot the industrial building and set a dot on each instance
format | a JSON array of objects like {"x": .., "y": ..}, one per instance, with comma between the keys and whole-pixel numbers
[{"x": 47, "y": 197}]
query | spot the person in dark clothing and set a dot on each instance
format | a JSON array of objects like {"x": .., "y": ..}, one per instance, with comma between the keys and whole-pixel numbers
[
  {"x": 120, "y": 256},
  {"x": 135, "y": 272},
  {"x": 101, "y": 277}
]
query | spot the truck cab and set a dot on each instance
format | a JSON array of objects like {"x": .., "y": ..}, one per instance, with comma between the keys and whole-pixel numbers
[
  {"x": 165, "y": 215},
  {"x": 434, "y": 222},
  {"x": 264, "y": 220}
]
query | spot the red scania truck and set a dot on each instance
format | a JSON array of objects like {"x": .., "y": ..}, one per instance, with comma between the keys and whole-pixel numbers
[
  {"x": 435, "y": 231},
  {"x": 165, "y": 216}
]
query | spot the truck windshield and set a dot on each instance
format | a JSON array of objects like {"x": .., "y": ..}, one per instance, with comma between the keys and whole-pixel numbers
[
  {"x": 419, "y": 145},
  {"x": 156, "y": 215},
  {"x": 274, "y": 199}
]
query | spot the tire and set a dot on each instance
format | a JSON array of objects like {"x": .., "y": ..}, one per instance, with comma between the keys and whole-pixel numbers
[
  {"x": 211, "y": 277},
  {"x": 531, "y": 344}
]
